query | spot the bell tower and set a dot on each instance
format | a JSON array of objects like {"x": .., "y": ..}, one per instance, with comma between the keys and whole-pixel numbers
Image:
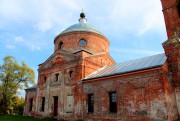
[{"x": 171, "y": 11}]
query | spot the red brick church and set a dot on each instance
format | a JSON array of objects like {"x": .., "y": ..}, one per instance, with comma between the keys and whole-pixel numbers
[{"x": 80, "y": 80}]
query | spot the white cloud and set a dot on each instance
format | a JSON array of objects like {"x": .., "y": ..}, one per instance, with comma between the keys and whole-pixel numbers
[
  {"x": 10, "y": 9},
  {"x": 43, "y": 26},
  {"x": 19, "y": 39},
  {"x": 139, "y": 15},
  {"x": 43, "y": 14},
  {"x": 152, "y": 20},
  {"x": 11, "y": 47},
  {"x": 72, "y": 4},
  {"x": 30, "y": 44},
  {"x": 34, "y": 47},
  {"x": 57, "y": 12}
]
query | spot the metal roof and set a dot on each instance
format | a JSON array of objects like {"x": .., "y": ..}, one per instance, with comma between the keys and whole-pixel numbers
[
  {"x": 33, "y": 87},
  {"x": 130, "y": 66},
  {"x": 82, "y": 27}
]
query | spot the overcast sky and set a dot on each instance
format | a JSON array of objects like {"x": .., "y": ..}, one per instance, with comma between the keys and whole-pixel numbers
[{"x": 135, "y": 28}]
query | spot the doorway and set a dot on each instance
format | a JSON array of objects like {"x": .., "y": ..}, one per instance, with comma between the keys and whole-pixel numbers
[{"x": 55, "y": 105}]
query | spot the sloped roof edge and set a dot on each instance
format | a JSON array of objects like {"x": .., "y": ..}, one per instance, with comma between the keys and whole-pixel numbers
[
  {"x": 32, "y": 87},
  {"x": 129, "y": 66}
]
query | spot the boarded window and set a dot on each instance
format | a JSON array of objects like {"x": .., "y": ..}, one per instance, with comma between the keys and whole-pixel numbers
[
  {"x": 70, "y": 103},
  {"x": 31, "y": 104},
  {"x": 90, "y": 103},
  {"x": 56, "y": 77},
  {"x": 43, "y": 104},
  {"x": 113, "y": 101}
]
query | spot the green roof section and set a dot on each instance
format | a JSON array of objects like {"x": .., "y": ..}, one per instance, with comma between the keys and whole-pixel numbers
[{"x": 83, "y": 27}]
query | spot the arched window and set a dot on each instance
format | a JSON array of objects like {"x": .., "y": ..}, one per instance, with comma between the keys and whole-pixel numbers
[
  {"x": 71, "y": 73},
  {"x": 178, "y": 7},
  {"x": 56, "y": 77},
  {"x": 60, "y": 45},
  {"x": 113, "y": 102},
  {"x": 31, "y": 105},
  {"x": 42, "y": 103}
]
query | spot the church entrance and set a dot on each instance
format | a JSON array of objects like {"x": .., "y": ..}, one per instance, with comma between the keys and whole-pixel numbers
[{"x": 55, "y": 105}]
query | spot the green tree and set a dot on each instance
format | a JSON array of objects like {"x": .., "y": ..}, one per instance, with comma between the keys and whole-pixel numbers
[
  {"x": 18, "y": 105},
  {"x": 13, "y": 77}
]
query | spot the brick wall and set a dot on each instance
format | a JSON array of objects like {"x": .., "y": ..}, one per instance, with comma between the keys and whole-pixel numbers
[
  {"x": 30, "y": 94},
  {"x": 95, "y": 43},
  {"x": 140, "y": 97}
]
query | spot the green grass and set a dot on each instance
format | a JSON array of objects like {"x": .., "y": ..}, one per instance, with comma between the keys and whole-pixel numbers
[{"x": 23, "y": 118}]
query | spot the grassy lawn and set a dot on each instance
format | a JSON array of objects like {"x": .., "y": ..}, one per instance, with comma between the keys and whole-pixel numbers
[{"x": 22, "y": 118}]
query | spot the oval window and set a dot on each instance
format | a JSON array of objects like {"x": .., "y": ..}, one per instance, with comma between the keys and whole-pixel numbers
[{"x": 82, "y": 43}]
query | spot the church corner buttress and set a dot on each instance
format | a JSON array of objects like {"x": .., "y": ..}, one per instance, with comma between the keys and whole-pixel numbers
[{"x": 171, "y": 11}]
